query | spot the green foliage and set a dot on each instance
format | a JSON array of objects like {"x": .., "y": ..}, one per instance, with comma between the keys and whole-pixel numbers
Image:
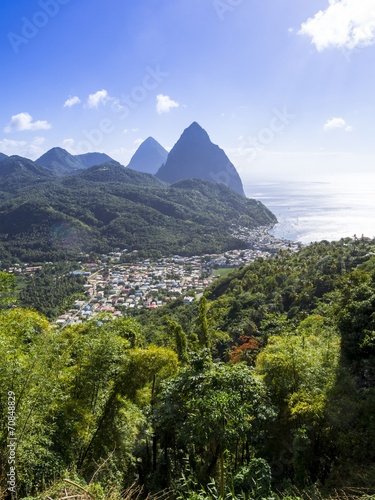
[
  {"x": 300, "y": 370},
  {"x": 109, "y": 207},
  {"x": 357, "y": 317},
  {"x": 208, "y": 410},
  {"x": 112, "y": 401},
  {"x": 128, "y": 329},
  {"x": 74, "y": 406},
  {"x": 180, "y": 338},
  {"x": 313, "y": 314},
  {"x": 52, "y": 290},
  {"x": 7, "y": 290},
  {"x": 148, "y": 366},
  {"x": 203, "y": 332},
  {"x": 253, "y": 480},
  {"x": 26, "y": 360}
]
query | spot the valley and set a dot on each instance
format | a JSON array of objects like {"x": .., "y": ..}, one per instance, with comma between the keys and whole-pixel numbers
[
  {"x": 151, "y": 320},
  {"x": 122, "y": 289}
]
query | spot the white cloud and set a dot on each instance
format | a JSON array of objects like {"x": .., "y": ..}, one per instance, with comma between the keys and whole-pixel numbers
[
  {"x": 138, "y": 142},
  {"x": 122, "y": 155},
  {"x": 24, "y": 121},
  {"x": 70, "y": 146},
  {"x": 34, "y": 150},
  {"x": 79, "y": 147},
  {"x": 72, "y": 101},
  {"x": 164, "y": 104},
  {"x": 100, "y": 97},
  {"x": 39, "y": 141},
  {"x": 30, "y": 150},
  {"x": 115, "y": 104},
  {"x": 345, "y": 24},
  {"x": 337, "y": 123}
]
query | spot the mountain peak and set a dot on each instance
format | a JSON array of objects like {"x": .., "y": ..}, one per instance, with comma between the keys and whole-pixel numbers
[
  {"x": 92, "y": 159},
  {"x": 57, "y": 149},
  {"x": 195, "y": 156},
  {"x": 149, "y": 157},
  {"x": 195, "y": 126},
  {"x": 149, "y": 140},
  {"x": 196, "y": 132},
  {"x": 60, "y": 162}
]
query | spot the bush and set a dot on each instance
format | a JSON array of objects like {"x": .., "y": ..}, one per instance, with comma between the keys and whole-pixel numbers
[{"x": 254, "y": 479}]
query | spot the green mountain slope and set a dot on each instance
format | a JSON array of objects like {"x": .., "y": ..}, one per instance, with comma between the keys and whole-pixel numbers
[
  {"x": 305, "y": 322},
  {"x": 268, "y": 381},
  {"x": 60, "y": 162},
  {"x": 17, "y": 173},
  {"x": 113, "y": 171},
  {"x": 109, "y": 207}
]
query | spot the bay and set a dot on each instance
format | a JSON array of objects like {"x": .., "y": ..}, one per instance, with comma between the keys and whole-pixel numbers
[{"x": 313, "y": 210}]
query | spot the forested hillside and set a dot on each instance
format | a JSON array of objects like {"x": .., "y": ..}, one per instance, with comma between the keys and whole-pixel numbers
[
  {"x": 263, "y": 389},
  {"x": 108, "y": 206}
]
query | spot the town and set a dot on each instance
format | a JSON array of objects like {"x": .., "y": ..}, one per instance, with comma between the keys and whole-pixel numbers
[
  {"x": 122, "y": 283},
  {"x": 117, "y": 288}
]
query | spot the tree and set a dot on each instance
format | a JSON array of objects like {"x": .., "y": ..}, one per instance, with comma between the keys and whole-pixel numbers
[
  {"x": 180, "y": 338},
  {"x": 246, "y": 351},
  {"x": 28, "y": 367},
  {"x": 141, "y": 379},
  {"x": 7, "y": 290},
  {"x": 300, "y": 370},
  {"x": 356, "y": 319},
  {"x": 69, "y": 389},
  {"x": 203, "y": 331},
  {"x": 211, "y": 411}
]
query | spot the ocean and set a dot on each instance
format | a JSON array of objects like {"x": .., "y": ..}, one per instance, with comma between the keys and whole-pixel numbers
[{"x": 328, "y": 209}]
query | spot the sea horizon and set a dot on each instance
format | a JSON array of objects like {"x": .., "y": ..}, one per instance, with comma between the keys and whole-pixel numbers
[{"x": 328, "y": 208}]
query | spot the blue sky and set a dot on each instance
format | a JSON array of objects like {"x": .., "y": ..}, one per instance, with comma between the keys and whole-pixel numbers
[{"x": 285, "y": 87}]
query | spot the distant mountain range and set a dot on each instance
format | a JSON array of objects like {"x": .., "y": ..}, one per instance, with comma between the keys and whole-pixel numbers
[
  {"x": 61, "y": 205},
  {"x": 92, "y": 159},
  {"x": 60, "y": 162},
  {"x": 195, "y": 156},
  {"x": 108, "y": 206}
]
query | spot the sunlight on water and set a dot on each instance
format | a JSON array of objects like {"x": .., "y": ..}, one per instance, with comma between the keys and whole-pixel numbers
[{"x": 313, "y": 211}]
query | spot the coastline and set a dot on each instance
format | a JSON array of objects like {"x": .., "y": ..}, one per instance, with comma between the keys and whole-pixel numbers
[
  {"x": 328, "y": 208},
  {"x": 261, "y": 239}
]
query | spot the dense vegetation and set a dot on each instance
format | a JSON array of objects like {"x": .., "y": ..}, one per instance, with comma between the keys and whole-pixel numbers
[
  {"x": 108, "y": 207},
  {"x": 52, "y": 290},
  {"x": 267, "y": 384}
]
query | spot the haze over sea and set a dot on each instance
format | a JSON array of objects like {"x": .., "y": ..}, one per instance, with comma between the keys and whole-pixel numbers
[{"x": 326, "y": 209}]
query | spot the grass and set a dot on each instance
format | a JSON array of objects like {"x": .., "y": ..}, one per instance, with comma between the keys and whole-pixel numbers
[{"x": 223, "y": 271}]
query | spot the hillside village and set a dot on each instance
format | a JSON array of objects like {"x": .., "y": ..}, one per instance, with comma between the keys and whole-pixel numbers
[{"x": 117, "y": 288}]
